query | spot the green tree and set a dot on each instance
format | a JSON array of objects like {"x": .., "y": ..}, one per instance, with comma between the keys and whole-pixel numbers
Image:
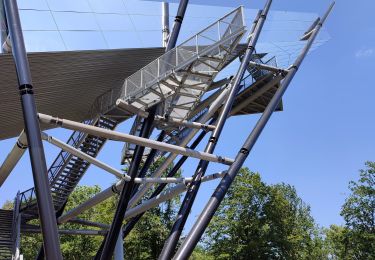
[
  {"x": 144, "y": 242},
  {"x": 259, "y": 221},
  {"x": 356, "y": 240}
]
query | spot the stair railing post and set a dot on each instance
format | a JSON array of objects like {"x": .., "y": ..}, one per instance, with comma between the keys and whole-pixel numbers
[{"x": 32, "y": 128}]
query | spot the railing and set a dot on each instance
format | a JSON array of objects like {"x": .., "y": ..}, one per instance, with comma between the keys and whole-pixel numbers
[
  {"x": 203, "y": 43},
  {"x": 28, "y": 197},
  {"x": 16, "y": 228},
  {"x": 198, "y": 45}
]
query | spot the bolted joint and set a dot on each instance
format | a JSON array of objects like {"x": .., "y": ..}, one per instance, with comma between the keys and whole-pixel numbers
[
  {"x": 178, "y": 19},
  {"x": 114, "y": 189},
  {"x": 244, "y": 151},
  {"x": 213, "y": 139},
  {"x": 21, "y": 145},
  {"x": 26, "y": 89}
]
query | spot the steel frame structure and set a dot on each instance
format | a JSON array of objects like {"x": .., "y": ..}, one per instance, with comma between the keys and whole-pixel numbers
[{"x": 204, "y": 117}]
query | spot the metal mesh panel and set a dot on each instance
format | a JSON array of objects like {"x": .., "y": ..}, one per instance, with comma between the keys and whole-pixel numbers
[{"x": 180, "y": 56}]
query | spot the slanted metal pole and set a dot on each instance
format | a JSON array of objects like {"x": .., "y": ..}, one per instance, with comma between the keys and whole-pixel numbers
[
  {"x": 177, "y": 25},
  {"x": 165, "y": 23},
  {"x": 32, "y": 128},
  {"x": 172, "y": 241},
  {"x": 141, "y": 141},
  {"x": 166, "y": 195},
  {"x": 119, "y": 248},
  {"x": 130, "y": 225},
  {"x": 74, "y": 151},
  {"x": 112, "y": 236},
  {"x": 13, "y": 157},
  {"x": 208, "y": 212}
]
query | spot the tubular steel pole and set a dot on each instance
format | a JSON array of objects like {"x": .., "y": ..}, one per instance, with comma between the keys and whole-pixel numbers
[
  {"x": 177, "y": 25},
  {"x": 32, "y": 128},
  {"x": 208, "y": 212},
  {"x": 172, "y": 241},
  {"x": 112, "y": 236},
  {"x": 165, "y": 23}
]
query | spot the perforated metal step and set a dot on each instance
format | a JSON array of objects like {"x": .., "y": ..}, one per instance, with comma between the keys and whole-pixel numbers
[{"x": 6, "y": 220}]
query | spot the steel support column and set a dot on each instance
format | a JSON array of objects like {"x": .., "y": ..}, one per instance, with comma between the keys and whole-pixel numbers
[
  {"x": 119, "y": 248},
  {"x": 205, "y": 217},
  {"x": 32, "y": 129},
  {"x": 172, "y": 241},
  {"x": 112, "y": 236},
  {"x": 177, "y": 25},
  {"x": 165, "y": 23}
]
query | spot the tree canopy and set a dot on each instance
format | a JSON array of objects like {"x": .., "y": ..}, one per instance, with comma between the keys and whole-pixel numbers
[
  {"x": 260, "y": 221},
  {"x": 255, "y": 221}
]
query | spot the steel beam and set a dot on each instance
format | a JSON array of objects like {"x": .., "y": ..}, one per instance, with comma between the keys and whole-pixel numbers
[
  {"x": 87, "y": 232},
  {"x": 84, "y": 156},
  {"x": 184, "y": 123},
  {"x": 174, "y": 236},
  {"x": 208, "y": 212},
  {"x": 166, "y": 195},
  {"x": 13, "y": 157},
  {"x": 32, "y": 129},
  {"x": 90, "y": 223},
  {"x": 144, "y": 142}
]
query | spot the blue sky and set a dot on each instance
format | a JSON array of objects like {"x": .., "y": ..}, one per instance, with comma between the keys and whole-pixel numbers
[{"x": 318, "y": 143}]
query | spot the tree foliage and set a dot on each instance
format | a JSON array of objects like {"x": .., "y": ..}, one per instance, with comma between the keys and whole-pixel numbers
[
  {"x": 255, "y": 221},
  {"x": 259, "y": 221},
  {"x": 144, "y": 242},
  {"x": 356, "y": 240}
]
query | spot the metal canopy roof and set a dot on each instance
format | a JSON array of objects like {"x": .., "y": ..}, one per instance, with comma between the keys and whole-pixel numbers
[{"x": 67, "y": 83}]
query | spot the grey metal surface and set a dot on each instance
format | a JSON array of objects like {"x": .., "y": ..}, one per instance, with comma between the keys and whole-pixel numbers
[{"x": 61, "y": 78}]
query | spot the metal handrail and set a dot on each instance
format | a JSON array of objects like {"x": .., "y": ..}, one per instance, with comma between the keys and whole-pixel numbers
[
  {"x": 225, "y": 29},
  {"x": 16, "y": 228}
]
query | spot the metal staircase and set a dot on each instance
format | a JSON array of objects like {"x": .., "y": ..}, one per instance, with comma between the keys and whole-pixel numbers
[
  {"x": 67, "y": 170},
  {"x": 180, "y": 77},
  {"x": 6, "y": 241}
]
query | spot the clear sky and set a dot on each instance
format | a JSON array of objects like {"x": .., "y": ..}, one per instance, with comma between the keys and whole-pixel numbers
[{"x": 318, "y": 143}]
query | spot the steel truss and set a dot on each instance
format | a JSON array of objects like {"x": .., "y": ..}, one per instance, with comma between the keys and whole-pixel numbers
[{"x": 166, "y": 95}]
